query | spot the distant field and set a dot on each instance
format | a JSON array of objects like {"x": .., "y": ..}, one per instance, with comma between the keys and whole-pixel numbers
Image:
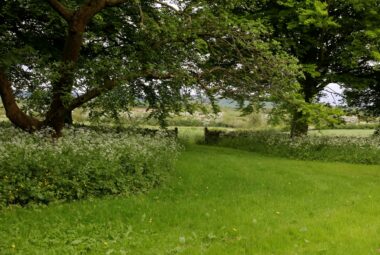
[
  {"x": 228, "y": 119},
  {"x": 220, "y": 202},
  {"x": 138, "y": 116},
  {"x": 343, "y": 132}
]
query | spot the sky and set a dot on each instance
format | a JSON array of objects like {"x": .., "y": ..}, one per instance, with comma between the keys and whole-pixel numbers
[{"x": 332, "y": 94}]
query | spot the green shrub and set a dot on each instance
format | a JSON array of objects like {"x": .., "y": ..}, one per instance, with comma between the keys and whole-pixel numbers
[
  {"x": 377, "y": 132},
  {"x": 35, "y": 168},
  {"x": 365, "y": 150}
]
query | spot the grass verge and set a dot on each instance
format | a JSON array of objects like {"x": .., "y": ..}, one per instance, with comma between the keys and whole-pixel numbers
[{"x": 218, "y": 201}]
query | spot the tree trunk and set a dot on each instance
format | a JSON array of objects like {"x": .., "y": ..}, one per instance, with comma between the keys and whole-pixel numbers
[
  {"x": 69, "y": 118},
  {"x": 12, "y": 111},
  {"x": 300, "y": 125},
  {"x": 56, "y": 119},
  {"x": 60, "y": 109}
]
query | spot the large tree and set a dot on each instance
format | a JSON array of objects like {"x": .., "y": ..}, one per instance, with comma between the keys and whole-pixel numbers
[
  {"x": 60, "y": 55},
  {"x": 361, "y": 66},
  {"x": 321, "y": 34}
]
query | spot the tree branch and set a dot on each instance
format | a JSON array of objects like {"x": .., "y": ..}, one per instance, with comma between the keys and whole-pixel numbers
[
  {"x": 13, "y": 112},
  {"x": 115, "y": 2},
  {"x": 156, "y": 76},
  {"x": 110, "y": 84},
  {"x": 91, "y": 94},
  {"x": 61, "y": 9}
]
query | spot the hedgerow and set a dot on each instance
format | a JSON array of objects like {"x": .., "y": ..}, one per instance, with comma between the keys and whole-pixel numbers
[
  {"x": 34, "y": 168},
  {"x": 363, "y": 150}
]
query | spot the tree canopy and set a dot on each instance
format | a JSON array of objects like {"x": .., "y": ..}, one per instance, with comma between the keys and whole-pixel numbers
[
  {"x": 334, "y": 41},
  {"x": 60, "y": 55},
  {"x": 108, "y": 55}
]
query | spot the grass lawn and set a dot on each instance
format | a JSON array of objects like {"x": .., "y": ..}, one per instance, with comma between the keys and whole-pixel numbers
[{"x": 218, "y": 201}]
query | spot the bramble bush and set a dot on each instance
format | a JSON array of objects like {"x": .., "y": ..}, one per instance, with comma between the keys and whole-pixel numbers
[
  {"x": 84, "y": 163},
  {"x": 362, "y": 150}
]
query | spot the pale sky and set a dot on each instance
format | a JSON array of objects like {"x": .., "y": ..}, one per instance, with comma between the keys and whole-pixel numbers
[{"x": 332, "y": 94}]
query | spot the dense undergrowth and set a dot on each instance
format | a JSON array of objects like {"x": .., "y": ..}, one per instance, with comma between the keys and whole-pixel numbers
[
  {"x": 362, "y": 150},
  {"x": 84, "y": 163}
]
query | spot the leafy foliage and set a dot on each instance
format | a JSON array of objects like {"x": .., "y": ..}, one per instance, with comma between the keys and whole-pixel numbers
[
  {"x": 377, "y": 132},
  {"x": 145, "y": 51},
  {"x": 83, "y": 164},
  {"x": 364, "y": 150},
  {"x": 365, "y": 95},
  {"x": 334, "y": 41}
]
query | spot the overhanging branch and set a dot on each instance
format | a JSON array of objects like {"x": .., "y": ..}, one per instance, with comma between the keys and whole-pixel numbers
[
  {"x": 110, "y": 84},
  {"x": 61, "y": 9},
  {"x": 12, "y": 111},
  {"x": 91, "y": 94}
]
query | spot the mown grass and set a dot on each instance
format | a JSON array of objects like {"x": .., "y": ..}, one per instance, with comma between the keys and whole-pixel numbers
[{"x": 218, "y": 201}]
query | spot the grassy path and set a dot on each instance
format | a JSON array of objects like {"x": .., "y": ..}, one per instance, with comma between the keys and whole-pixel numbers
[{"x": 218, "y": 201}]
